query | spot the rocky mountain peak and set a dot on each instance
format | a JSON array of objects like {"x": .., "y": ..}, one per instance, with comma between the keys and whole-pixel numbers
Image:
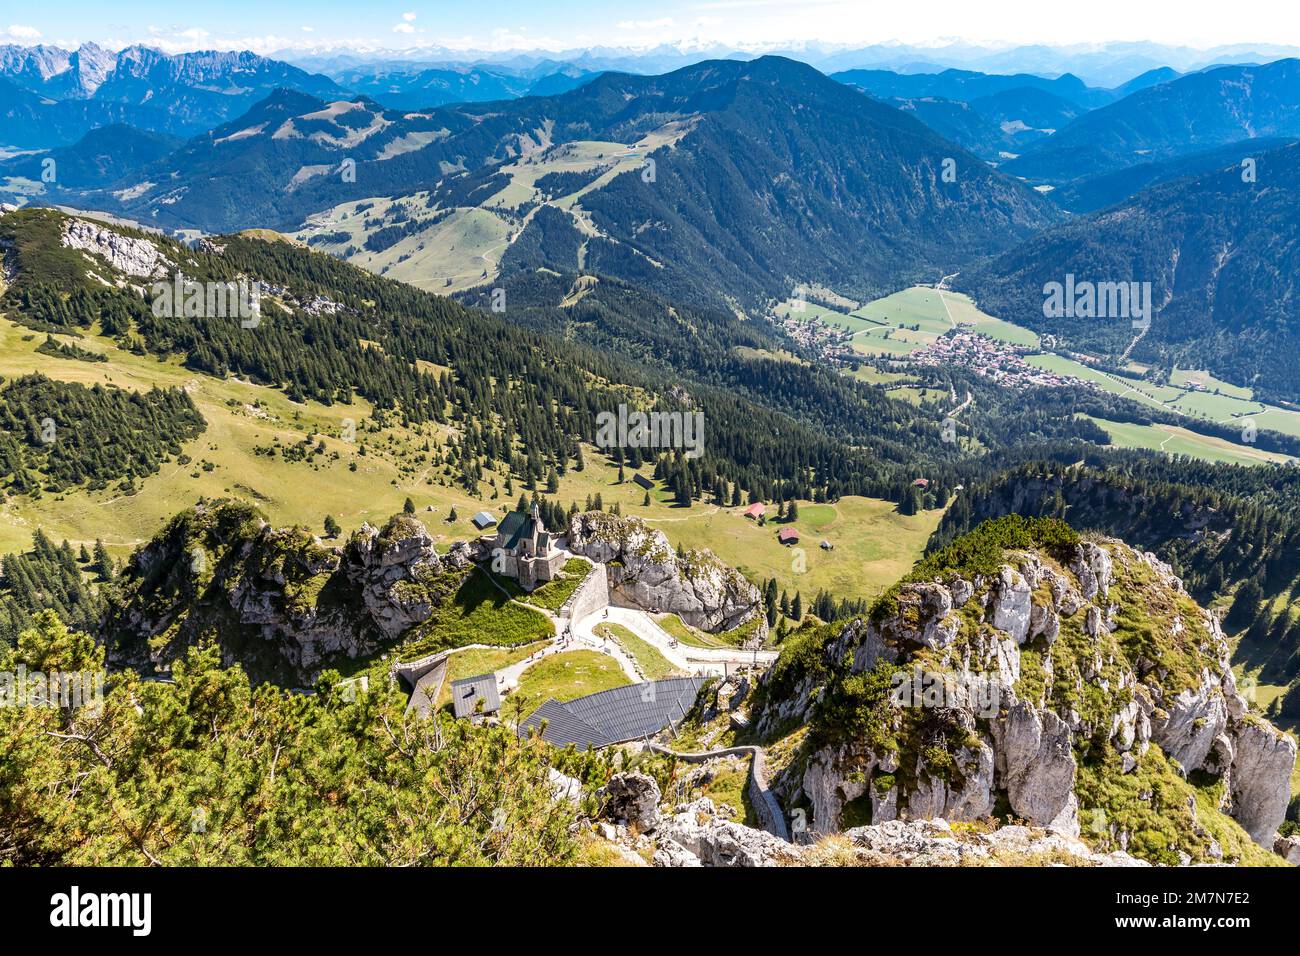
[{"x": 1077, "y": 688}]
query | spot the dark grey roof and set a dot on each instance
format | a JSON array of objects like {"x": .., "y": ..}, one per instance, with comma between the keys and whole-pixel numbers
[
  {"x": 643, "y": 481},
  {"x": 516, "y": 525},
  {"x": 613, "y": 716},
  {"x": 564, "y": 727},
  {"x": 466, "y": 692},
  {"x": 425, "y": 693}
]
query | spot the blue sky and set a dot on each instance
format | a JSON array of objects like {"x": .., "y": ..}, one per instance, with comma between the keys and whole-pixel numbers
[{"x": 564, "y": 24}]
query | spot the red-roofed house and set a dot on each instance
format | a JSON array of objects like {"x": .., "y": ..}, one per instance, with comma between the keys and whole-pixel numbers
[
  {"x": 788, "y": 536},
  {"x": 921, "y": 483},
  {"x": 755, "y": 511}
]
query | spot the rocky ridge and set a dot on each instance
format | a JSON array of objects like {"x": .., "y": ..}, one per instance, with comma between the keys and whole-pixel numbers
[
  {"x": 126, "y": 255},
  {"x": 1086, "y": 693},
  {"x": 285, "y": 604},
  {"x": 699, "y": 833}
]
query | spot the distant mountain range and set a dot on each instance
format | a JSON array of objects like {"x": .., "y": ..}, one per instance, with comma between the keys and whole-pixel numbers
[
  {"x": 1104, "y": 65},
  {"x": 724, "y": 184},
  {"x": 1187, "y": 115},
  {"x": 767, "y": 174},
  {"x": 52, "y": 97},
  {"x": 399, "y": 88},
  {"x": 965, "y": 85}
]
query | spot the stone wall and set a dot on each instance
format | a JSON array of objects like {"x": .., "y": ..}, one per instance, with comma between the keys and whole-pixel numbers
[{"x": 591, "y": 597}]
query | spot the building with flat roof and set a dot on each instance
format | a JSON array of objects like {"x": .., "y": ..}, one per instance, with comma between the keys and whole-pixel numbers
[
  {"x": 617, "y": 715},
  {"x": 468, "y": 692}
]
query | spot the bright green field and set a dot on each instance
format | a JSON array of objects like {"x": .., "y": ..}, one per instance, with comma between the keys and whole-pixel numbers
[
  {"x": 1183, "y": 377},
  {"x": 1180, "y": 441},
  {"x": 479, "y": 614},
  {"x": 1222, "y": 408},
  {"x": 885, "y": 326},
  {"x": 563, "y": 677},
  {"x": 692, "y": 637}
]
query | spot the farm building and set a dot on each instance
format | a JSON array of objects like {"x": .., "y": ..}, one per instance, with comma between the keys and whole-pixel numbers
[
  {"x": 755, "y": 511},
  {"x": 788, "y": 536},
  {"x": 643, "y": 481},
  {"x": 921, "y": 483},
  {"x": 483, "y": 520}
]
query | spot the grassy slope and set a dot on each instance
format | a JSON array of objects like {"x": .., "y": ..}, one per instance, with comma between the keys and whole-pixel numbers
[
  {"x": 454, "y": 254},
  {"x": 563, "y": 677},
  {"x": 480, "y": 614},
  {"x": 290, "y": 492},
  {"x": 874, "y": 545},
  {"x": 653, "y": 664},
  {"x": 1181, "y": 441}
]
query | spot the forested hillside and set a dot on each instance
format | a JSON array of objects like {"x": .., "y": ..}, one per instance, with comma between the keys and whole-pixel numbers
[{"x": 1218, "y": 251}]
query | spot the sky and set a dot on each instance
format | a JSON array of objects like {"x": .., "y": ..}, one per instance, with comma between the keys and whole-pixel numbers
[{"x": 496, "y": 25}]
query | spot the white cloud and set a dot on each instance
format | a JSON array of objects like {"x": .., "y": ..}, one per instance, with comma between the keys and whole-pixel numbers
[
  {"x": 408, "y": 17},
  {"x": 403, "y": 28},
  {"x": 659, "y": 24},
  {"x": 308, "y": 29},
  {"x": 19, "y": 32}
]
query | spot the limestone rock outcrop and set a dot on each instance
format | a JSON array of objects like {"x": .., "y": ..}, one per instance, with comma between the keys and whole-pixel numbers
[
  {"x": 696, "y": 835},
  {"x": 128, "y": 255},
  {"x": 1097, "y": 654},
  {"x": 284, "y": 604},
  {"x": 632, "y": 800},
  {"x": 645, "y": 572}
]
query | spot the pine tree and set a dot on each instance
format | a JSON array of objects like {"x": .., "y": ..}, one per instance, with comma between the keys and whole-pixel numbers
[{"x": 102, "y": 564}]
